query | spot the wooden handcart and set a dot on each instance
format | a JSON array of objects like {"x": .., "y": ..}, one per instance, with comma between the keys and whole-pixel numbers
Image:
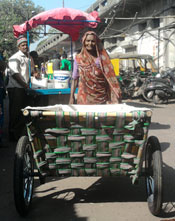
[{"x": 87, "y": 140}]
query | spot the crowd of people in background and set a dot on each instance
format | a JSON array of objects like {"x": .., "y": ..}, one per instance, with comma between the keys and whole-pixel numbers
[{"x": 46, "y": 68}]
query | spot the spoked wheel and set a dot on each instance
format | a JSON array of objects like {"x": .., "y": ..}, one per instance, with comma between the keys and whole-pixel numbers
[
  {"x": 158, "y": 100},
  {"x": 153, "y": 169},
  {"x": 23, "y": 180},
  {"x": 148, "y": 95},
  {"x": 151, "y": 96}
]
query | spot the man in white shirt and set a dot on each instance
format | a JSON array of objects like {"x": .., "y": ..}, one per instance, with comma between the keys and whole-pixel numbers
[{"x": 18, "y": 82}]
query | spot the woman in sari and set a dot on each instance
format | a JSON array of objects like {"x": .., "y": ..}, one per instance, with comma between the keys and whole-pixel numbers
[{"x": 94, "y": 75}]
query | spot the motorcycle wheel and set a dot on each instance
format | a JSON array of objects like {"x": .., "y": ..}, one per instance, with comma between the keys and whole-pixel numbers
[
  {"x": 157, "y": 99},
  {"x": 148, "y": 95}
]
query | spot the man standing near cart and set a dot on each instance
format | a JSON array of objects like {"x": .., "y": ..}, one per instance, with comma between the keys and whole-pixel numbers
[{"x": 17, "y": 85}]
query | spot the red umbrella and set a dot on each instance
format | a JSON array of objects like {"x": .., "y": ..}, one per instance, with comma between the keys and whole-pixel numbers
[{"x": 69, "y": 21}]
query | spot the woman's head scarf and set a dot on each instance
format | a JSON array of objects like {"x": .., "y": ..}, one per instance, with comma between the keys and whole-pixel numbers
[{"x": 98, "y": 43}]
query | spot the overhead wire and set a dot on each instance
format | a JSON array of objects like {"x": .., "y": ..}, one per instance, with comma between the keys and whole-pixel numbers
[
  {"x": 114, "y": 11},
  {"x": 134, "y": 22}
]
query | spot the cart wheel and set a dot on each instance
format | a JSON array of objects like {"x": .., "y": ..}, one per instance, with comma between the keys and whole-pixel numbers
[
  {"x": 42, "y": 180},
  {"x": 23, "y": 181},
  {"x": 153, "y": 169}
]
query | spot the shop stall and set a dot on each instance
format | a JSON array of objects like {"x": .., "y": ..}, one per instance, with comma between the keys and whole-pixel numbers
[{"x": 68, "y": 21}]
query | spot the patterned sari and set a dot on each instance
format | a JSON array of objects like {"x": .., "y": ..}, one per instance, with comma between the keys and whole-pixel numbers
[{"x": 97, "y": 84}]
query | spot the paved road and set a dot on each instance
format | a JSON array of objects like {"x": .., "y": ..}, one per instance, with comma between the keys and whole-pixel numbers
[{"x": 96, "y": 199}]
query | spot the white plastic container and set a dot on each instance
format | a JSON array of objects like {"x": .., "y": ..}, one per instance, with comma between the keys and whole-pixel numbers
[
  {"x": 39, "y": 83},
  {"x": 61, "y": 79}
]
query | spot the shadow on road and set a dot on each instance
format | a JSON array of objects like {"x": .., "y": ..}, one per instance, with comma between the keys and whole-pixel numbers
[
  {"x": 142, "y": 104},
  {"x": 168, "y": 210},
  {"x": 62, "y": 203},
  {"x": 110, "y": 189},
  {"x": 164, "y": 146},
  {"x": 158, "y": 126}
]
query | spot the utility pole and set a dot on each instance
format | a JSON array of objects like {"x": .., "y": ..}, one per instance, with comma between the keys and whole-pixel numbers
[{"x": 63, "y": 3}]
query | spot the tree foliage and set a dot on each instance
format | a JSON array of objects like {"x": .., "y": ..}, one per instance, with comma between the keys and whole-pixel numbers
[{"x": 15, "y": 12}]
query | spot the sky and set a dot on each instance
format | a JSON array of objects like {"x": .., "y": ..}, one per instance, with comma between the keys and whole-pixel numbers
[
  {"x": 51, "y": 4},
  {"x": 76, "y": 4}
]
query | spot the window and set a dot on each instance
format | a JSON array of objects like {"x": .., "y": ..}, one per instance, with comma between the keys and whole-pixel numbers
[
  {"x": 142, "y": 26},
  {"x": 131, "y": 49},
  {"x": 155, "y": 23}
]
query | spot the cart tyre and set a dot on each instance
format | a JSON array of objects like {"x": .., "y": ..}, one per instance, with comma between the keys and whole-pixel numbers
[
  {"x": 42, "y": 180},
  {"x": 153, "y": 169},
  {"x": 23, "y": 182}
]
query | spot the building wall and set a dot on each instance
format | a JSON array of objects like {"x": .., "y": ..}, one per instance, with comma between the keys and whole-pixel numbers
[{"x": 147, "y": 36}]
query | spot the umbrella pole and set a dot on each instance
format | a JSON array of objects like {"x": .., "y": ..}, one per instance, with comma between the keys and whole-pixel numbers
[
  {"x": 71, "y": 50},
  {"x": 28, "y": 43}
]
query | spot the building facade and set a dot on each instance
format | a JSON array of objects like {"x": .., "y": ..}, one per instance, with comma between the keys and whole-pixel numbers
[{"x": 129, "y": 26}]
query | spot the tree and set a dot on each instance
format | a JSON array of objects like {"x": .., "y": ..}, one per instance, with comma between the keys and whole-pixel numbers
[{"x": 14, "y": 12}]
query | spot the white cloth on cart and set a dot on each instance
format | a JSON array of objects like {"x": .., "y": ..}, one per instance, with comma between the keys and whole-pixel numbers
[{"x": 91, "y": 108}]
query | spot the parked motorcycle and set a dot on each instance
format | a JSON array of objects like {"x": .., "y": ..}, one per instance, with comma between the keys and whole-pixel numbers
[
  {"x": 130, "y": 83},
  {"x": 160, "y": 89}
]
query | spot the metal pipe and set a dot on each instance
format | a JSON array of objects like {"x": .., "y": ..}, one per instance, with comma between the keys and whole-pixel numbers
[{"x": 158, "y": 48}]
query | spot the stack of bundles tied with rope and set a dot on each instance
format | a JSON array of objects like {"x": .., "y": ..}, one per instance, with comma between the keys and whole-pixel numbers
[{"x": 88, "y": 140}]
